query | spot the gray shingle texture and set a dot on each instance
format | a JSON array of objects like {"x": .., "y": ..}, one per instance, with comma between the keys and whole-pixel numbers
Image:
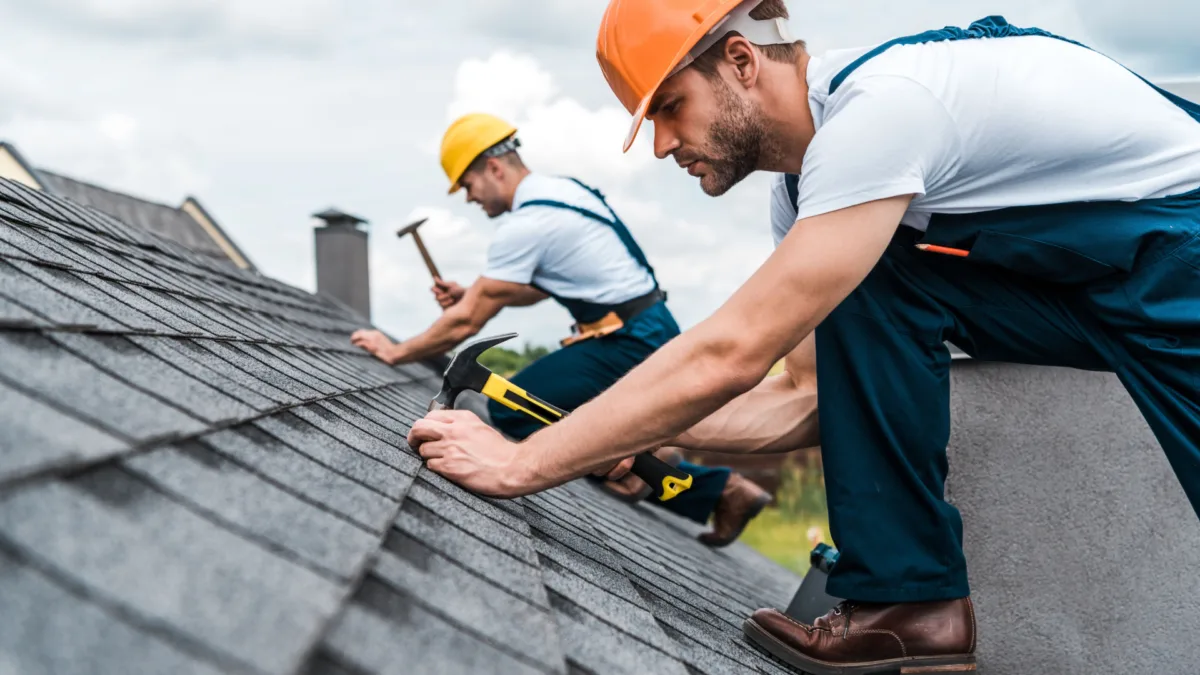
[{"x": 198, "y": 474}]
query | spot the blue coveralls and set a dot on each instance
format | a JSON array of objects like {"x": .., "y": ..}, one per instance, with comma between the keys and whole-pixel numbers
[
  {"x": 1107, "y": 286},
  {"x": 573, "y": 375}
]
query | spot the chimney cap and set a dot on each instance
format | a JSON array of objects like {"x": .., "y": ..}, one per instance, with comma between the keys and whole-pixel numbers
[{"x": 337, "y": 218}]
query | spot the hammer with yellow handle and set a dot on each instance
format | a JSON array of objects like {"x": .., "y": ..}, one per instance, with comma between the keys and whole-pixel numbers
[{"x": 466, "y": 373}]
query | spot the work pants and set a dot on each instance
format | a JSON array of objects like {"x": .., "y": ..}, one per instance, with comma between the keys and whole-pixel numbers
[{"x": 883, "y": 376}]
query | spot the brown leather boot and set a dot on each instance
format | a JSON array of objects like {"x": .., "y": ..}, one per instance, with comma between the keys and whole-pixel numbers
[
  {"x": 931, "y": 638},
  {"x": 740, "y": 502}
]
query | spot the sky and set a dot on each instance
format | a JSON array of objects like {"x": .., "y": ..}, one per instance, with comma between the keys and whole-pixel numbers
[{"x": 271, "y": 110}]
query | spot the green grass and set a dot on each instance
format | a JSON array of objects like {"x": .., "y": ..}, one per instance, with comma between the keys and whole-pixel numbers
[{"x": 787, "y": 532}]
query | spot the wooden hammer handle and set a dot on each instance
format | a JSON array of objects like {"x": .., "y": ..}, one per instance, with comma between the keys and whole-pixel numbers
[{"x": 425, "y": 254}]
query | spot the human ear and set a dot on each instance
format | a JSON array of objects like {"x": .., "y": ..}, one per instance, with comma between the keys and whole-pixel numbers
[{"x": 742, "y": 59}]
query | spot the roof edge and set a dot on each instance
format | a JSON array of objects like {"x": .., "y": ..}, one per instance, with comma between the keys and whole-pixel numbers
[
  {"x": 30, "y": 177},
  {"x": 198, "y": 213}
]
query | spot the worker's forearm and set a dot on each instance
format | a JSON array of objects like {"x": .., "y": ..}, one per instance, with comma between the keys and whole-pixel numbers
[
  {"x": 445, "y": 334},
  {"x": 688, "y": 379},
  {"x": 776, "y": 416}
]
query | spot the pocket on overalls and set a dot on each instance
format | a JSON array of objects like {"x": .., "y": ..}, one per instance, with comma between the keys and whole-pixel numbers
[{"x": 1038, "y": 259}]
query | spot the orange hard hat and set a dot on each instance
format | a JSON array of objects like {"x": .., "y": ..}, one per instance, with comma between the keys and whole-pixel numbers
[{"x": 643, "y": 42}]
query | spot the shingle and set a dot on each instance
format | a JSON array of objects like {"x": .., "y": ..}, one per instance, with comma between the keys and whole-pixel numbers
[
  {"x": 35, "y": 436},
  {"x": 12, "y": 191},
  {"x": 353, "y": 416},
  {"x": 327, "y": 450},
  {"x": 442, "y": 535},
  {"x": 303, "y": 359},
  {"x": 384, "y": 632},
  {"x": 169, "y": 351},
  {"x": 74, "y": 384},
  {"x": 216, "y": 314},
  {"x": 14, "y": 315},
  {"x": 24, "y": 242},
  {"x": 600, "y": 648},
  {"x": 620, "y": 614},
  {"x": 141, "y": 368},
  {"x": 115, "y": 266},
  {"x": 129, "y": 545},
  {"x": 501, "y": 618},
  {"x": 123, "y": 261},
  {"x": 270, "y": 356},
  {"x": 238, "y": 358},
  {"x": 55, "y": 306},
  {"x": 504, "y": 510},
  {"x": 273, "y": 459},
  {"x": 197, "y": 475},
  {"x": 367, "y": 372},
  {"x": 369, "y": 409},
  {"x": 402, "y": 458},
  {"x": 65, "y": 248},
  {"x": 700, "y": 642},
  {"x": 502, "y": 531},
  {"x": 548, "y": 530},
  {"x": 177, "y": 307},
  {"x": 71, "y": 285},
  {"x": 194, "y": 350},
  {"x": 169, "y": 323},
  {"x": 45, "y": 629}
]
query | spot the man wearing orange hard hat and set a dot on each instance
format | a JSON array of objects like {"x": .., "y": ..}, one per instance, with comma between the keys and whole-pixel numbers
[
  {"x": 1004, "y": 189},
  {"x": 559, "y": 239}
]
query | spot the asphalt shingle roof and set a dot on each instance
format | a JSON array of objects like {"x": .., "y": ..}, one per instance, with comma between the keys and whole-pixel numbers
[
  {"x": 198, "y": 474},
  {"x": 161, "y": 219}
]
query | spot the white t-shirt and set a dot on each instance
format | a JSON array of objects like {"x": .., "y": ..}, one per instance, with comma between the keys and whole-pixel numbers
[
  {"x": 982, "y": 124},
  {"x": 563, "y": 252}
]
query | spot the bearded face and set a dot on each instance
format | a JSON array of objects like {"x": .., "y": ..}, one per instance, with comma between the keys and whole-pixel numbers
[
  {"x": 719, "y": 137},
  {"x": 735, "y": 141}
]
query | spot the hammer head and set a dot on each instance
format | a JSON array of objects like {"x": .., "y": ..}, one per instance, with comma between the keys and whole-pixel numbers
[
  {"x": 465, "y": 372},
  {"x": 410, "y": 228}
]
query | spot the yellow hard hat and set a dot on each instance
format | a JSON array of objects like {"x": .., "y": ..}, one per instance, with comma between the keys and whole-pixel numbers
[{"x": 466, "y": 139}]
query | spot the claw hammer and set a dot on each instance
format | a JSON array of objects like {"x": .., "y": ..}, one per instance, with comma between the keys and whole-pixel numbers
[{"x": 466, "y": 373}]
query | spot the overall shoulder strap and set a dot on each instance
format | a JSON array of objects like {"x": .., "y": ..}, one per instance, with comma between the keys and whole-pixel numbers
[
  {"x": 988, "y": 27},
  {"x": 992, "y": 27},
  {"x": 792, "y": 182},
  {"x": 615, "y": 223}
]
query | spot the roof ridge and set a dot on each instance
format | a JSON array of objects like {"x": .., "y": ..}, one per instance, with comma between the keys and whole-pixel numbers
[{"x": 110, "y": 191}]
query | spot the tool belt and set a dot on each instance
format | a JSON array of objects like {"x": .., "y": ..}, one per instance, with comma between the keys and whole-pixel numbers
[{"x": 615, "y": 319}]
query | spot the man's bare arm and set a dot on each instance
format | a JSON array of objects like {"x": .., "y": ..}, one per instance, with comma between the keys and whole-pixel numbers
[
  {"x": 482, "y": 301},
  {"x": 817, "y": 265},
  {"x": 779, "y": 415}
]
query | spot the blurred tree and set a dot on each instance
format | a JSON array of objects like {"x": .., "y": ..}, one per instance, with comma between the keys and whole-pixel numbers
[{"x": 505, "y": 362}]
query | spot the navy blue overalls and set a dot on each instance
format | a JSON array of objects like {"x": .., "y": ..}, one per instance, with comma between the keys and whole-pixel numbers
[
  {"x": 1107, "y": 286},
  {"x": 571, "y": 376}
]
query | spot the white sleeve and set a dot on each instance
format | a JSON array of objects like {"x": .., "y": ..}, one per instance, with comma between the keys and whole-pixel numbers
[
  {"x": 516, "y": 250},
  {"x": 885, "y": 136},
  {"x": 783, "y": 209}
]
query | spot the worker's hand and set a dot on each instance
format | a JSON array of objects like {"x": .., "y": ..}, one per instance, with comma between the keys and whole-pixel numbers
[
  {"x": 447, "y": 293},
  {"x": 459, "y": 446},
  {"x": 616, "y": 472},
  {"x": 374, "y": 342}
]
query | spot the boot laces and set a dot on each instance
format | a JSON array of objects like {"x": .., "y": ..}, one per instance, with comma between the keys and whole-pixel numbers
[{"x": 845, "y": 608}]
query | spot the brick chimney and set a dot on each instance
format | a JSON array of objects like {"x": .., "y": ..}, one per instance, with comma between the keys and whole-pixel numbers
[{"x": 342, "y": 266}]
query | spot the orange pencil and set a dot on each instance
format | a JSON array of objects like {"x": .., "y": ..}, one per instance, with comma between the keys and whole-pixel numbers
[{"x": 932, "y": 248}]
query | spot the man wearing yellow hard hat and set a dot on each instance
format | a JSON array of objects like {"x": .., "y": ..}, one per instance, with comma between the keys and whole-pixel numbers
[
  {"x": 1002, "y": 188},
  {"x": 559, "y": 239}
]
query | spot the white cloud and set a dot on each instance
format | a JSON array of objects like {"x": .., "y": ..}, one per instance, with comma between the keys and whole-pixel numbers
[
  {"x": 112, "y": 149},
  {"x": 277, "y": 23},
  {"x": 558, "y": 133},
  {"x": 117, "y": 127}
]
